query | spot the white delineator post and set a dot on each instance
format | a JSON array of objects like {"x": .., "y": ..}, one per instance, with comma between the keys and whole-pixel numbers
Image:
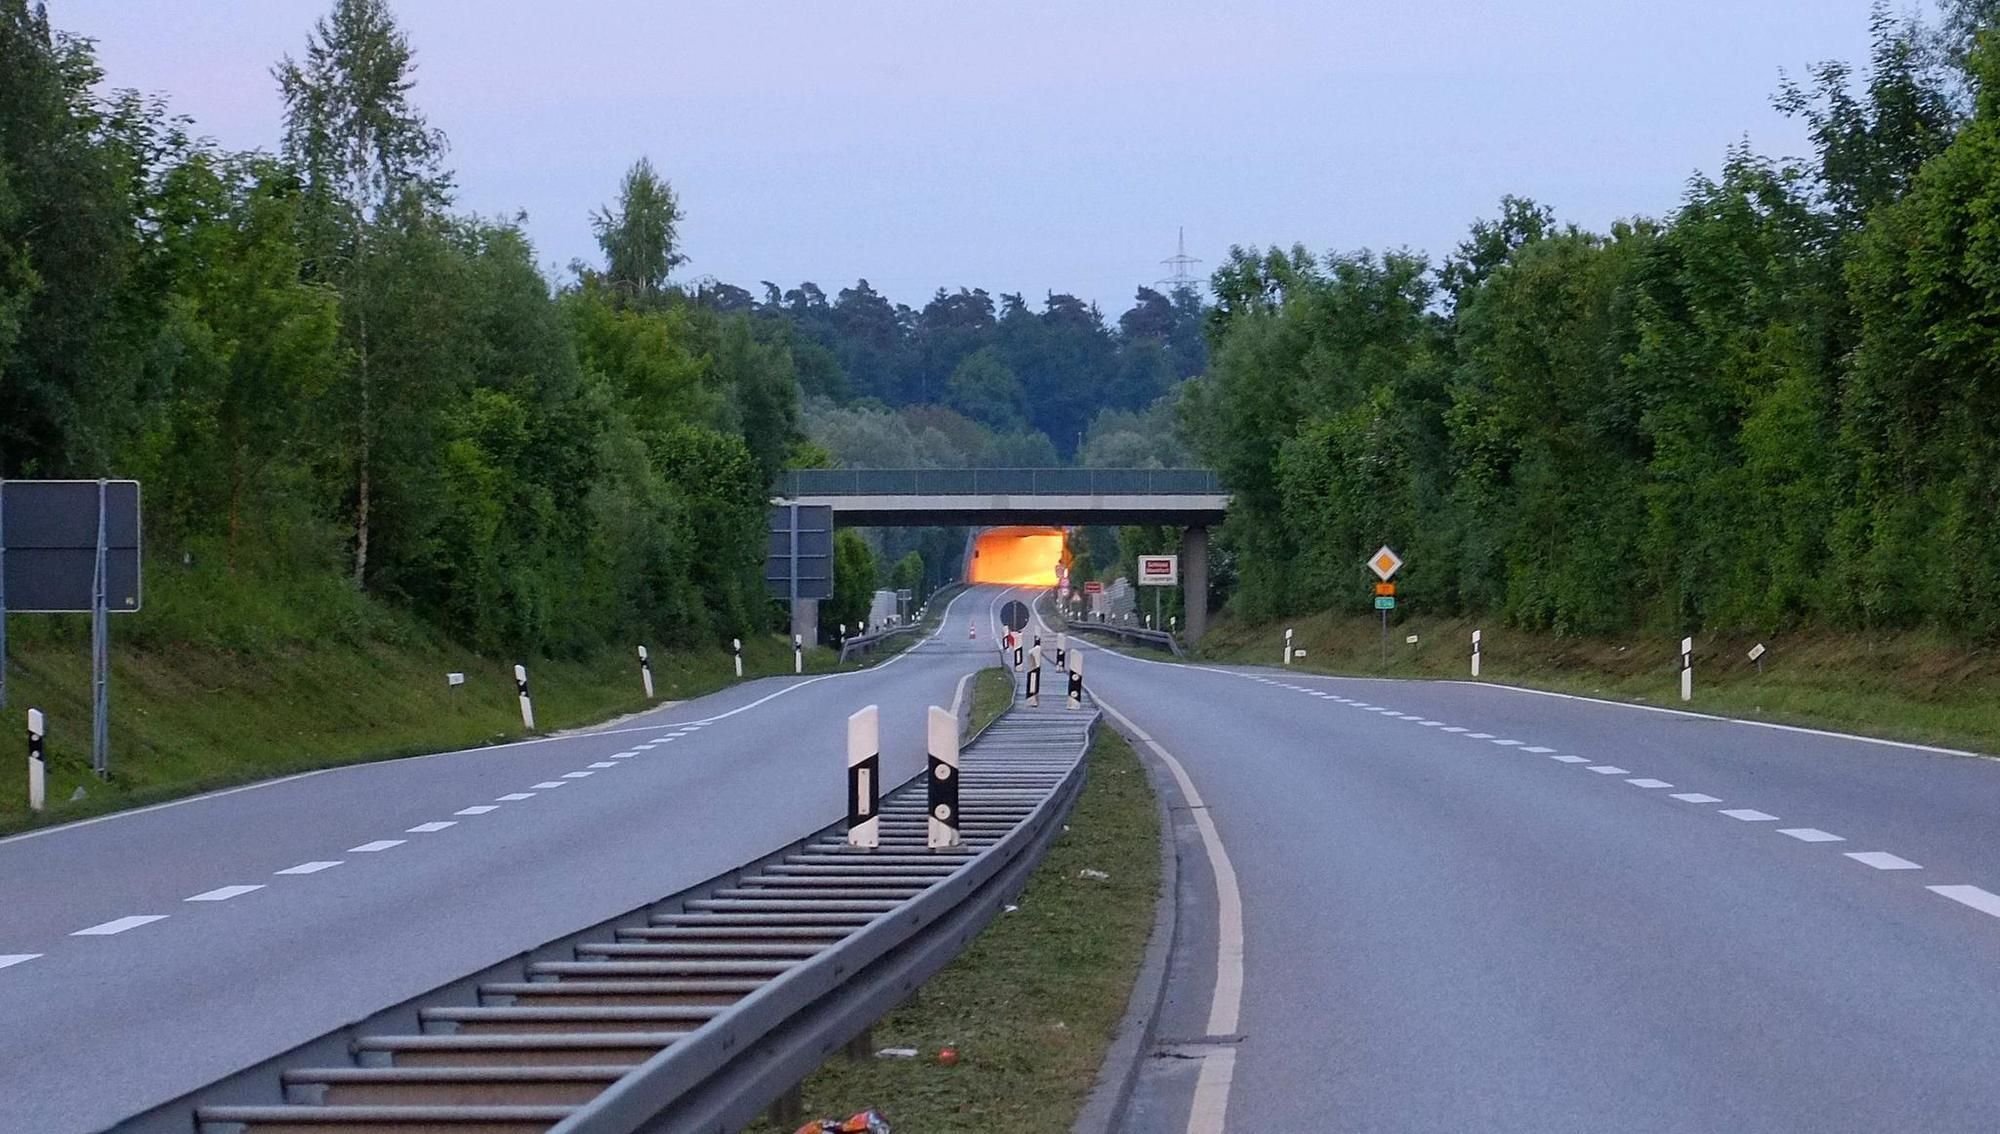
[
  {"x": 1035, "y": 677},
  {"x": 646, "y": 671},
  {"x": 1062, "y": 651},
  {"x": 736, "y": 648},
  {"x": 1076, "y": 679},
  {"x": 1687, "y": 669},
  {"x": 864, "y": 774},
  {"x": 1475, "y": 653},
  {"x": 527, "y": 704},
  {"x": 798, "y": 654},
  {"x": 1288, "y": 645},
  {"x": 37, "y": 760},
  {"x": 943, "y": 798}
]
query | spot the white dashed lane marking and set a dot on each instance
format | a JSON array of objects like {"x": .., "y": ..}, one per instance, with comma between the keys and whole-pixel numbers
[
  {"x": 1453, "y": 728},
  {"x": 377, "y": 845},
  {"x": 223, "y": 893},
  {"x": 515, "y": 796},
  {"x": 1882, "y": 860},
  {"x": 308, "y": 867},
  {"x": 119, "y": 925},
  {"x": 577, "y": 775},
  {"x": 1508, "y": 743},
  {"x": 1984, "y": 901},
  {"x": 546, "y": 785},
  {"x": 1648, "y": 783},
  {"x": 604, "y": 764},
  {"x": 9, "y": 960},
  {"x": 1811, "y": 835},
  {"x": 1695, "y": 797},
  {"x": 1609, "y": 770},
  {"x": 1572, "y": 759},
  {"x": 1749, "y": 815},
  {"x": 479, "y": 809},
  {"x": 432, "y": 827},
  {"x": 623, "y": 755},
  {"x": 1478, "y": 736},
  {"x": 1538, "y": 750}
]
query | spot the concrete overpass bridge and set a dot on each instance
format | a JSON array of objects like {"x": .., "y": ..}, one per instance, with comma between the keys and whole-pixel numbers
[{"x": 1191, "y": 499}]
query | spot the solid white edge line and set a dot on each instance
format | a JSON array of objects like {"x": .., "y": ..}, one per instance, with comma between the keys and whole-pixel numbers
[
  {"x": 76, "y": 824},
  {"x": 1208, "y": 1110},
  {"x": 223, "y": 893}
]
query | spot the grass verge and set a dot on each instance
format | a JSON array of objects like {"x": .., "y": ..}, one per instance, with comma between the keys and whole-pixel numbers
[
  {"x": 992, "y": 694},
  {"x": 1032, "y": 1005},
  {"x": 1902, "y": 686}
]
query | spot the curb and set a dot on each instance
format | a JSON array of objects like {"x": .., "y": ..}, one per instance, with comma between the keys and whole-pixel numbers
[{"x": 1104, "y": 1111}]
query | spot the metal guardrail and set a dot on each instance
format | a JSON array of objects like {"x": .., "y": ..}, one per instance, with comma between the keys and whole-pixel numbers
[
  {"x": 716, "y": 1001},
  {"x": 796, "y": 483},
  {"x": 862, "y": 643},
  {"x": 1130, "y": 633}
]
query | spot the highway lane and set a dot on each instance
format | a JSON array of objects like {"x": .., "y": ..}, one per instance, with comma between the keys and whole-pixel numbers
[
  {"x": 1621, "y": 920},
  {"x": 379, "y": 881}
]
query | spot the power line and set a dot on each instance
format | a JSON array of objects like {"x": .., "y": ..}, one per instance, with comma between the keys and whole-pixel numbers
[{"x": 1177, "y": 266}]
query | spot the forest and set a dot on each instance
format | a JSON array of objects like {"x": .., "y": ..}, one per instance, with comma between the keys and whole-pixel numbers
[
  {"x": 1778, "y": 406},
  {"x": 345, "y": 395}
]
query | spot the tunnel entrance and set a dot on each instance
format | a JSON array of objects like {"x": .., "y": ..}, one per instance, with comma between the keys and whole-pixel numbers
[{"x": 1017, "y": 556}]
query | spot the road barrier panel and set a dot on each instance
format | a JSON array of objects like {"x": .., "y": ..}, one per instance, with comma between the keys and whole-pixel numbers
[
  {"x": 527, "y": 703},
  {"x": 646, "y": 672},
  {"x": 864, "y": 778},
  {"x": 942, "y": 796},
  {"x": 37, "y": 760}
]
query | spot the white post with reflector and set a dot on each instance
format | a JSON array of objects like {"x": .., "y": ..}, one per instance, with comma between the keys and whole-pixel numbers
[
  {"x": 736, "y": 648},
  {"x": 798, "y": 654},
  {"x": 1687, "y": 669},
  {"x": 864, "y": 778},
  {"x": 646, "y": 671},
  {"x": 943, "y": 794},
  {"x": 38, "y": 763},
  {"x": 1062, "y": 651},
  {"x": 1035, "y": 677},
  {"x": 1076, "y": 679},
  {"x": 527, "y": 702},
  {"x": 1288, "y": 645},
  {"x": 1475, "y": 653}
]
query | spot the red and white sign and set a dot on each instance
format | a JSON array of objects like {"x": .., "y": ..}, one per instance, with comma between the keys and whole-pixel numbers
[
  {"x": 1159, "y": 570},
  {"x": 1093, "y": 587}
]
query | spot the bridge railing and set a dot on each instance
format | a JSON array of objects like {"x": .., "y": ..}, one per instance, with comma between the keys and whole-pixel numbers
[{"x": 998, "y": 482}]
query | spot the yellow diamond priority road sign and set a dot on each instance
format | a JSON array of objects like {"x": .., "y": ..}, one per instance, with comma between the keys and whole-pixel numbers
[{"x": 1385, "y": 563}]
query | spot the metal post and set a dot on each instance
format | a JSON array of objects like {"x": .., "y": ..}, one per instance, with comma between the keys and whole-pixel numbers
[
  {"x": 1385, "y": 639},
  {"x": 100, "y": 655}
]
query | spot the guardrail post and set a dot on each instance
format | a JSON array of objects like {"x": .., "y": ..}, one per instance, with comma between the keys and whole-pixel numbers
[
  {"x": 798, "y": 654},
  {"x": 1076, "y": 679},
  {"x": 736, "y": 648},
  {"x": 646, "y": 672},
  {"x": 864, "y": 778},
  {"x": 1035, "y": 677},
  {"x": 37, "y": 760},
  {"x": 1687, "y": 669},
  {"x": 1475, "y": 653},
  {"x": 943, "y": 798},
  {"x": 527, "y": 703}
]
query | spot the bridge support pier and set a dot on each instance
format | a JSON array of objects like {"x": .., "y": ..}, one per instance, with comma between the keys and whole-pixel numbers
[{"x": 1194, "y": 555}]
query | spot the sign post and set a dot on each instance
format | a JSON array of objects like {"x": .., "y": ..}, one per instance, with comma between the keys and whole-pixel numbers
[
  {"x": 72, "y": 547},
  {"x": 1385, "y": 563}
]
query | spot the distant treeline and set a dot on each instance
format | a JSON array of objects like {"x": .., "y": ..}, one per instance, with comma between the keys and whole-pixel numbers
[{"x": 1779, "y": 405}]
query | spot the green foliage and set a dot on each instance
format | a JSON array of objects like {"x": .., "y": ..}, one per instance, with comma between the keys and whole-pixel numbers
[
  {"x": 1777, "y": 407},
  {"x": 853, "y": 583},
  {"x": 640, "y": 236}
]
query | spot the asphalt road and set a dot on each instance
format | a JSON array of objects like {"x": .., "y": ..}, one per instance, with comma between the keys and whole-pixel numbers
[
  {"x": 1469, "y": 908},
  {"x": 284, "y": 910}
]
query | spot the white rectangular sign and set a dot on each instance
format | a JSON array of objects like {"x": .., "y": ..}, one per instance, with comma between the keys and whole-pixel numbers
[{"x": 1159, "y": 570}]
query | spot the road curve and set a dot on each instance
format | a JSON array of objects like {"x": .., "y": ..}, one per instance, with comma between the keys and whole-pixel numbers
[
  {"x": 147, "y": 953},
  {"x": 1467, "y": 908}
]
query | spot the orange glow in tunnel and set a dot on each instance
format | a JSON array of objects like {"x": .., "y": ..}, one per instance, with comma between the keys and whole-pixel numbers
[{"x": 1020, "y": 556}]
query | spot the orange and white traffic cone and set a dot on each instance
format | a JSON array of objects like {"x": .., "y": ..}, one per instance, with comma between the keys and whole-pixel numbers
[{"x": 971, "y": 631}]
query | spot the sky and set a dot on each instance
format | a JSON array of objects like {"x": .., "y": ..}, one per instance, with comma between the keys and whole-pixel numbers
[{"x": 1034, "y": 146}]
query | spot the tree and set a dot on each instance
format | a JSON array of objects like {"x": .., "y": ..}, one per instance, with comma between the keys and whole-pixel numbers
[
  {"x": 640, "y": 236},
  {"x": 982, "y": 388},
  {"x": 369, "y": 163},
  {"x": 853, "y": 583}
]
